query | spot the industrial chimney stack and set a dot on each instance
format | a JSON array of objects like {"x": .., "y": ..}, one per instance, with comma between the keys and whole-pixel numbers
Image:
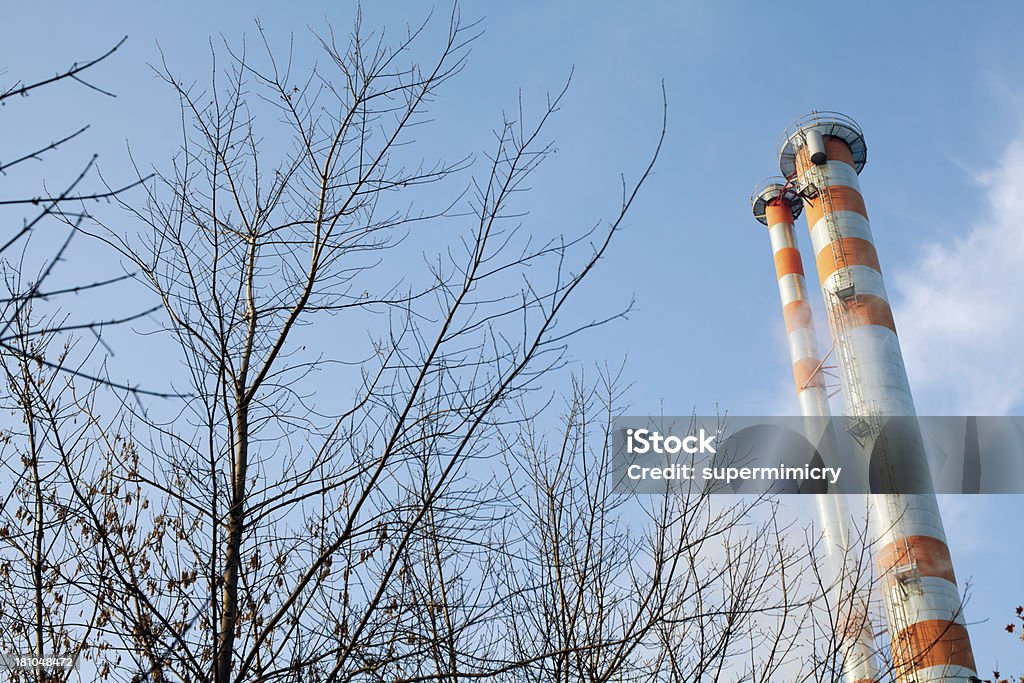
[
  {"x": 821, "y": 156},
  {"x": 776, "y": 204}
]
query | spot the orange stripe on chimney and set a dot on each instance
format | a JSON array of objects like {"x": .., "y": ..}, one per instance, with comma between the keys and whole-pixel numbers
[
  {"x": 843, "y": 198},
  {"x": 797, "y": 315},
  {"x": 849, "y": 251},
  {"x": 804, "y": 374},
  {"x": 868, "y": 309},
  {"x": 935, "y": 642},
  {"x": 778, "y": 213},
  {"x": 836, "y": 149},
  {"x": 930, "y": 554},
  {"x": 787, "y": 262}
]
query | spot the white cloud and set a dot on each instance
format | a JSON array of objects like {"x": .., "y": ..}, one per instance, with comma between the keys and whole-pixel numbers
[{"x": 960, "y": 308}]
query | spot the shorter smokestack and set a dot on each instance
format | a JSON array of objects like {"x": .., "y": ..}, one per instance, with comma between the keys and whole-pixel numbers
[{"x": 775, "y": 204}]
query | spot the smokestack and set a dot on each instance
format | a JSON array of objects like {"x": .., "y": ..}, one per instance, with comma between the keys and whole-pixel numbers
[
  {"x": 776, "y": 204},
  {"x": 923, "y": 606}
]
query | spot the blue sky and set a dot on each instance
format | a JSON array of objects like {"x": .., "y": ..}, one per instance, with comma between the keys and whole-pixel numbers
[{"x": 937, "y": 88}]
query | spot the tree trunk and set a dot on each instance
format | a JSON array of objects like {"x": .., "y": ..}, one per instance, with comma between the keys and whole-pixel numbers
[{"x": 233, "y": 554}]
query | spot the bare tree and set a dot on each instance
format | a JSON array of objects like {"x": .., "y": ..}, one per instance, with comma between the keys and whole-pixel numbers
[{"x": 285, "y": 531}]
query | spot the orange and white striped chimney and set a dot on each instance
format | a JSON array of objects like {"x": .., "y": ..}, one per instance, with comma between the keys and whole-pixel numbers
[
  {"x": 776, "y": 204},
  {"x": 822, "y": 154}
]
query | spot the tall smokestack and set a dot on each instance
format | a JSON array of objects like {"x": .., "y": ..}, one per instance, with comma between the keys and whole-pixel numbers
[
  {"x": 775, "y": 204},
  {"x": 822, "y": 154}
]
